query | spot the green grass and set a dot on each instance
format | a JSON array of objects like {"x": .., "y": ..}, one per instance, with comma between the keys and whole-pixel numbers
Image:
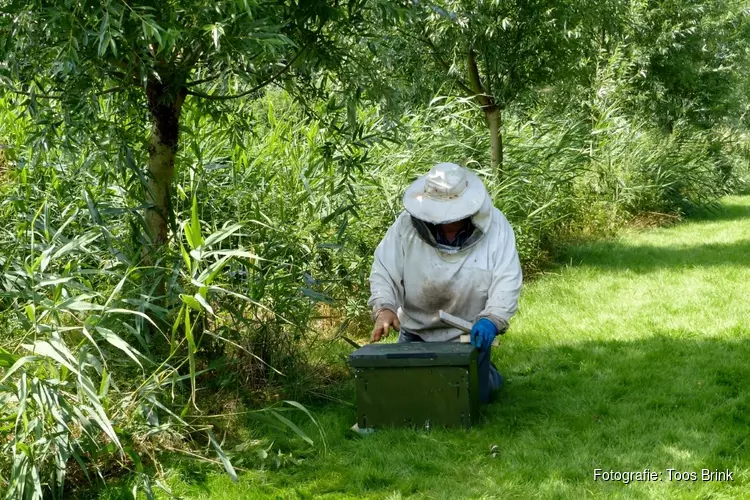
[{"x": 632, "y": 355}]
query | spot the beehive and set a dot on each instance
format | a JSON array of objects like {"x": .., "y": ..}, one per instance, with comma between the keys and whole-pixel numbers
[{"x": 418, "y": 384}]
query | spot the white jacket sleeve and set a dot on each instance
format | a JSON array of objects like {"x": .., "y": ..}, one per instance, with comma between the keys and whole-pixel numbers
[
  {"x": 505, "y": 288},
  {"x": 386, "y": 276}
]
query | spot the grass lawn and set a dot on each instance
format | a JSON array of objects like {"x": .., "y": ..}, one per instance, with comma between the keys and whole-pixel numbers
[{"x": 633, "y": 355}]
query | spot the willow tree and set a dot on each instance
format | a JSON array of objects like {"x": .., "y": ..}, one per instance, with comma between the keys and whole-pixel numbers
[
  {"x": 492, "y": 50},
  {"x": 692, "y": 56},
  {"x": 158, "y": 53}
]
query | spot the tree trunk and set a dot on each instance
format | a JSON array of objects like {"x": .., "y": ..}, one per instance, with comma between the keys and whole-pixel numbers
[
  {"x": 164, "y": 105},
  {"x": 491, "y": 112},
  {"x": 496, "y": 137}
]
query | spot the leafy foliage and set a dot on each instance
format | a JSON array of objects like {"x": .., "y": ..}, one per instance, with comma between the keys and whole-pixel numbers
[
  {"x": 82, "y": 385},
  {"x": 275, "y": 202}
]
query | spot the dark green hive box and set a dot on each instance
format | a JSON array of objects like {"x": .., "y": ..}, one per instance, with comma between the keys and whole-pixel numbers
[{"x": 421, "y": 384}]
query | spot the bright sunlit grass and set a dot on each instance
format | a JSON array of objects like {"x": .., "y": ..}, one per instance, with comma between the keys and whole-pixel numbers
[{"x": 634, "y": 355}]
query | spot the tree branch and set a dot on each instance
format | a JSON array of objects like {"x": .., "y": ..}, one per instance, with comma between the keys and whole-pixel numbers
[
  {"x": 488, "y": 73},
  {"x": 480, "y": 92},
  {"x": 111, "y": 90},
  {"x": 254, "y": 89},
  {"x": 203, "y": 80}
]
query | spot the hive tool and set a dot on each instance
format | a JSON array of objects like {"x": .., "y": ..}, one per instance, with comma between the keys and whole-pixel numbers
[{"x": 461, "y": 324}]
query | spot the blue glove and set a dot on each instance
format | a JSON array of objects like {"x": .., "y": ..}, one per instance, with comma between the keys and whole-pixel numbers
[{"x": 482, "y": 334}]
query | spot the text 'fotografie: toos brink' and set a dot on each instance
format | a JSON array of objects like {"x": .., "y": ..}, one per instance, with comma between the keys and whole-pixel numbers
[{"x": 667, "y": 475}]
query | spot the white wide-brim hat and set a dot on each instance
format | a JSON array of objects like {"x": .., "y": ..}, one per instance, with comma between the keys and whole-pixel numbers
[{"x": 447, "y": 193}]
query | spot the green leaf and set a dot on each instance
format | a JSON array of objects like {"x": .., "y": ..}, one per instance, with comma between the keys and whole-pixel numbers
[
  {"x": 98, "y": 415},
  {"x": 7, "y": 359},
  {"x": 223, "y": 457},
  {"x": 186, "y": 258},
  {"x": 292, "y": 426},
  {"x": 335, "y": 213},
  {"x": 104, "y": 386},
  {"x": 77, "y": 243},
  {"x": 204, "y": 303},
  {"x": 136, "y": 313},
  {"x": 301, "y": 407},
  {"x": 17, "y": 365},
  {"x": 95, "y": 216},
  {"x": 51, "y": 282},
  {"x": 117, "y": 289},
  {"x": 216, "y": 32},
  {"x": 193, "y": 228},
  {"x": 191, "y": 302},
  {"x": 30, "y": 312},
  {"x": 78, "y": 304},
  {"x": 175, "y": 326},
  {"x": 207, "y": 275},
  {"x": 234, "y": 253},
  {"x": 189, "y": 236},
  {"x": 116, "y": 341},
  {"x": 221, "y": 234},
  {"x": 134, "y": 457},
  {"x": 195, "y": 223},
  {"x": 191, "y": 353},
  {"x": 44, "y": 348}
]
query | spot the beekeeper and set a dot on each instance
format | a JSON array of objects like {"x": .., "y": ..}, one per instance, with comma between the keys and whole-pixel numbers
[{"x": 451, "y": 249}]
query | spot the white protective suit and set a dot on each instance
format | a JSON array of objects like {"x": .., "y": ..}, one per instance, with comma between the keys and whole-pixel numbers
[{"x": 415, "y": 279}]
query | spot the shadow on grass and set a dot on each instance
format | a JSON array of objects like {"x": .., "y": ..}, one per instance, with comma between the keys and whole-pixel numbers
[
  {"x": 726, "y": 211},
  {"x": 618, "y": 256},
  {"x": 660, "y": 402}
]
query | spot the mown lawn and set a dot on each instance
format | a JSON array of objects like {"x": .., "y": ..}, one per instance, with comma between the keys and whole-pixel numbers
[{"x": 633, "y": 355}]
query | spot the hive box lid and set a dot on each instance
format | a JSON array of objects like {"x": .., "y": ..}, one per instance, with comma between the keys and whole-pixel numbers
[{"x": 413, "y": 354}]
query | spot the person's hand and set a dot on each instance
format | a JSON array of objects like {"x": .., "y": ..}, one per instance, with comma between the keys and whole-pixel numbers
[
  {"x": 482, "y": 334},
  {"x": 385, "y": 320}
]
